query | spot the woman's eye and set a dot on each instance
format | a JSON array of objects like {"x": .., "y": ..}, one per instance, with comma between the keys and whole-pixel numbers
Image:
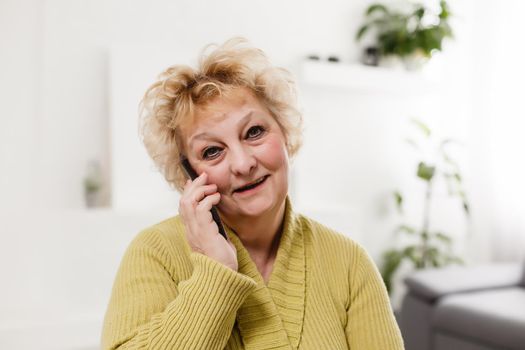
[
  {"x": 254, "y": 132},
  {"x": 211, "y": 152}
]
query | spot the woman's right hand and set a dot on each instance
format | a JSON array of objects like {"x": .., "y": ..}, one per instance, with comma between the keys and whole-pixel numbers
[{"x": 202, "y": 232}]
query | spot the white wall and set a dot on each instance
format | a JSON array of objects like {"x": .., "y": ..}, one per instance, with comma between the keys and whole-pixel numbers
[
  {"x": 498, "y": 77},
  {"x": 57, "y": 270},
  {"x": 19, "y": 95}
]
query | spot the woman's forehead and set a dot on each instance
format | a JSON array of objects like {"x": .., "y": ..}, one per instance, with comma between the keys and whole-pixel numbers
[
  {"x": 232, "y": 100},
  {"x": 232, "y": 106}
]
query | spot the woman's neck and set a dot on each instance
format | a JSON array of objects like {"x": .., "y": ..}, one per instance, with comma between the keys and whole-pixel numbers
[{"x": 260, "y": 235}]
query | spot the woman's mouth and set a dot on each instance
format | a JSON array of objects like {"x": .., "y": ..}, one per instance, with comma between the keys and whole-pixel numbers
[{"x": 252, "y": 186}]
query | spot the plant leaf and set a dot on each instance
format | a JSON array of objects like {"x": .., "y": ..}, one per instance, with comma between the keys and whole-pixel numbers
[
  {"x": 452, "y": 259},
  {"x": 432, "y": 257},
  {"x": 466, "y": 207},
  {"x": 405, "y": 228},
  {"x": 376, "y": 8},
  {"x": 361, "y": 32},
  {"x": 443, "y": 238},
  {"x": 449, "y": 160},
  {"x": 411, "y": 253},
  {"x": 412, "y": 143},
  {"x": 419, "y": 12},
  {"x": 425, "y": 172},
  {"x": 446, "y": 142},
  {"x": 445, "y": 13},
  {"x": 422, "y": 126},
  {"x": 391, "y": 261},
  {"x": 399, "y": 201}
]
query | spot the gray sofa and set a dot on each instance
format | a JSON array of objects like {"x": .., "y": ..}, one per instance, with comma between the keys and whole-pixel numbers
[{"x": 465, "y": 308}]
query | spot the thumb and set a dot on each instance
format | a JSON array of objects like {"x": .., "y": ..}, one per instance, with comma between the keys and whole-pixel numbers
[{"x": 232, "y": 245}]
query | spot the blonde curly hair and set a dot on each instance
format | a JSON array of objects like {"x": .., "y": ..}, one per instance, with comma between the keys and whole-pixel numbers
[{"x": 171, "y": 103}]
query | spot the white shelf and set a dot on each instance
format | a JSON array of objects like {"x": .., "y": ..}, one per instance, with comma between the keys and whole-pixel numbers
[{"x": 365, "y": 78}]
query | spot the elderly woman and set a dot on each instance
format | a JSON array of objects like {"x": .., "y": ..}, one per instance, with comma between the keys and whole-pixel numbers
[{"x": 280, "y": 280}]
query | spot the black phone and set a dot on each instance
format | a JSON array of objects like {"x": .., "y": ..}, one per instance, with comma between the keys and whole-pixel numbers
[{"x": 192, "y": 174}]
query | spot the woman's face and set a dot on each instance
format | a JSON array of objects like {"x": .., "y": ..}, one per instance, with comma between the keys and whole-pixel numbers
[{"x": 237, "y": 142}]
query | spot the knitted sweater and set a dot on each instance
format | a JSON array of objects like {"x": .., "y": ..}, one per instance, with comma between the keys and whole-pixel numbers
[{"x": 324, "y": 293}]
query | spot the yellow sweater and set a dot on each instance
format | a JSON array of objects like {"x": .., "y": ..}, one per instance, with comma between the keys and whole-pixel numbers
[{"x": 324, "y": 293}]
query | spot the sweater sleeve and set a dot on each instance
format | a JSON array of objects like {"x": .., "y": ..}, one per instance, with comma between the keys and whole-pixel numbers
[
  {"x": 149, "y": 310},
  {"x": 370, "y": 321}
]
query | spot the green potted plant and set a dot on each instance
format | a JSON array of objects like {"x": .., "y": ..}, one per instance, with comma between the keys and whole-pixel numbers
[
  {"x": 92, "y": 184},
  {"x": 412, "y": 35},
  {"x": 423, "y": 246}
]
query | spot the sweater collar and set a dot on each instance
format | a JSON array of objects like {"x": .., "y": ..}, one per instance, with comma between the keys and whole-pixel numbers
[{"x": 273, "y": 314}]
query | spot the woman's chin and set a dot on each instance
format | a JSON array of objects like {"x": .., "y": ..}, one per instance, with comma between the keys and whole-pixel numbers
[{"x": 254, "y": 207}]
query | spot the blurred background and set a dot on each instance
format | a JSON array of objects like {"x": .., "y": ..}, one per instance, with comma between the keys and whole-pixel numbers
[{"x": 381, "y": 129}]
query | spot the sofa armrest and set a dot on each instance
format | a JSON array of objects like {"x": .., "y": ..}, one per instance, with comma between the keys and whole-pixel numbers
[{"x": 435, "y": 283}]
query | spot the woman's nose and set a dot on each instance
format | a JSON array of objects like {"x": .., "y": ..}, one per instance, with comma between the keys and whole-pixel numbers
[{"x": 242, "y": 161}]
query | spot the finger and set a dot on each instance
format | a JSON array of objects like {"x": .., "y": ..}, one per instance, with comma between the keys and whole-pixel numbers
[
  {"x": 197, "y": 224},
  {"x": 201, "y": 179},
  {"x": 201, "y": 216},
  {"x": 191, "y": 197},
  {"x": 186, "y": 185},
  {"x": 199, "y": 193},
  {"x": 209, "y": 201}
]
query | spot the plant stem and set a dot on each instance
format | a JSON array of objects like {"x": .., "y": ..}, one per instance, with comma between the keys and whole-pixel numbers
[{"x": 426, "y": 224}]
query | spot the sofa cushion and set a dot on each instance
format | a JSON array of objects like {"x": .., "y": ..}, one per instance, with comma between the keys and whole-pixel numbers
[
  {"x": 495, "y": 317},
  {"x": 449, "y": 342},
  {"x": 432, "y": 284}
]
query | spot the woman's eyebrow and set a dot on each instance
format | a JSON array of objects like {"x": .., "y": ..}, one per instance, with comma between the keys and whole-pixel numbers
[
  {"x": 244, "y": 120},
  {"x": 202, "y": 135},
  {"x": 206, "y": 135}
]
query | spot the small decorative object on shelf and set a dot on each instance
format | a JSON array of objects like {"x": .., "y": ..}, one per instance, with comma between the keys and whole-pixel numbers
[
  {"x": 412, "y": 35},
  {"x": 371, "y": 56},
  {"x": 92, "y": 184},
  {"x": 423, "y": 246},
  {"x": 333, "y": 59}
]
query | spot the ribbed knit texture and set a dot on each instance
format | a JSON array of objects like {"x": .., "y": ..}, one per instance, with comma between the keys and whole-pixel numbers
[{"x": 324, "y": 293}]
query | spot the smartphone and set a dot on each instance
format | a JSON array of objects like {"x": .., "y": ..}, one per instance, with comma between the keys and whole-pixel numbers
[{"x": 192, "y": 174}]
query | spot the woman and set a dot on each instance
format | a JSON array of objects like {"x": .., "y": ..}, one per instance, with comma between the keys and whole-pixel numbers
[{"x": 280, "y": 280}]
